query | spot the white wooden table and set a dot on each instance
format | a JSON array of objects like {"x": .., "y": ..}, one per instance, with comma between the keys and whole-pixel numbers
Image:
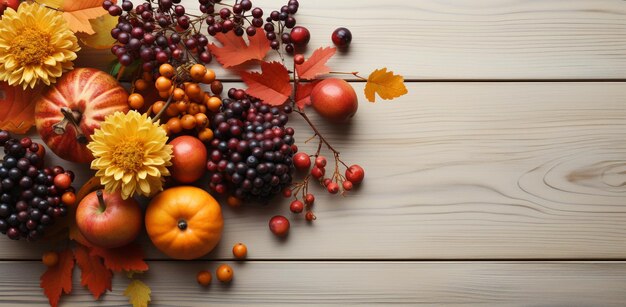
[{"x": 500, "y": 179}]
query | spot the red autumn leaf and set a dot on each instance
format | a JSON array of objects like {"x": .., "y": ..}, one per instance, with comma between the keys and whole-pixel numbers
[
  {"x": 127, "y": 258},
  {"x": 271, "y": 85},
  {"x": 316, "y": 64},
  {"x": 303, "y": 95},
  {"x": 17, "y": 108},
  {"x": 234, "y": 50},
  {"x": 94, "y": 274},
  {"x": 58, "y": 279}
]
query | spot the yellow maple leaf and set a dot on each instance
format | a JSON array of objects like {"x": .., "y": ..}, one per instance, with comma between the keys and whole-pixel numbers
[
  {"x": 386, "y": 84},
  {"x": 138, "y": 293},
  {"x": 77, "y": 13},
  {"x": 102, "y": 38}
]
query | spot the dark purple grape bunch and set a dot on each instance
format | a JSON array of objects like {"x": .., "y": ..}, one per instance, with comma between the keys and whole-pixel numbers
[
  {"x": 29, "y": 199},
  {"x": 277, "y": 23},
  {"x": 156, "y": 33},
  {"x": 251, "y": 154},
  {"x": 240, "y": 18}
]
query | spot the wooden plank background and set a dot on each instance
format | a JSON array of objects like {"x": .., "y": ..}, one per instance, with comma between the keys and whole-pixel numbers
[{"x": 481, "y": 191}]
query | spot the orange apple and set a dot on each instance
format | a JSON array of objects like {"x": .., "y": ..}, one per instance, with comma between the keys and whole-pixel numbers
[
  {"x": 334, "y": 99},
  {"x": 189, "y": 159},
  {"x": 108, "y": 221}
]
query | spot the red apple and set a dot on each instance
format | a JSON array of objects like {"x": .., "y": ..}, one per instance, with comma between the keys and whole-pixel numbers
[
  {"x": 67, "y": 114},
  {"x": 334, "y": 99},
  {"x": 189, "y": 158},
  {"x": 108, "y": 221}
]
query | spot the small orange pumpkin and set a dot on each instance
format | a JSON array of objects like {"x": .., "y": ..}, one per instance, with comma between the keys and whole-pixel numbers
[{"x": 184, "y": 222}]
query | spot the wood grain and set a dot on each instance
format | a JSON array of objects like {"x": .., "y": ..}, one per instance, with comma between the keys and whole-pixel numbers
[
  {"x": 463, "y": 39},
  {"x": 459, "y": 171},
  {"x": 348, "y": 283}
]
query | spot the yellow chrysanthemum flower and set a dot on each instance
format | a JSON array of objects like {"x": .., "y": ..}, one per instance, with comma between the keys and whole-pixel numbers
[
  {"x": 131, "y": 154},
  {"x": 36, "y": 44}
]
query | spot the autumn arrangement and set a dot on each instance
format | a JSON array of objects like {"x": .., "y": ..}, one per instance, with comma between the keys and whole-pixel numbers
[{"x": 159, "y": 128}]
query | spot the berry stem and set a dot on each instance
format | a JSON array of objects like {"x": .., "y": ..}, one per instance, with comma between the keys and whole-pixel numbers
[
  {"x": 167, "y": 104},
  {"x": 317, "y": 132},
  {"x": 354, "y": 73}
]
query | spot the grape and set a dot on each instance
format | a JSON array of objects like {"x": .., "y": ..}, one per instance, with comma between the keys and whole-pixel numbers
[
  {"x": 28, "y": 199},
  {"x": 250, "y": 155}
]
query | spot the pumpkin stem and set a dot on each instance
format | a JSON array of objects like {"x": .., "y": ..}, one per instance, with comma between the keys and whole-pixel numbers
[
  {"x": 100, "y": 195},
  {"x": 70, "y": 117},
  {"x": 182, "y": 224}
]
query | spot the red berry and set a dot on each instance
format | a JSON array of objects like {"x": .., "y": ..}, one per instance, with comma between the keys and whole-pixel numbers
[
  {"x": 309, "y": 199},
  {"x": 62, "y": 181},
  {"x": 332, "y": 188},
  {"x": 296, "y": 206},
  {"x": 302, "y": 161},
  {"x": 300, "y": 35},
  {"x": 347, "y": 185},
  {"x": 26, "y": 142},
  {"x": 341, "y": 37},
  {"x": 287, "y": 192},
  {"x": 294, "y": 148},
  {"x": 279, "y": 225},
  {"x": 355, "y": 174},
  {"x": 317, "y": 172},
  {"x": 320, "y": 162},
  {"x": 310, "y": 216},
  {"x": 327, "y": 181},
  {"x": 298, "y": 59}
]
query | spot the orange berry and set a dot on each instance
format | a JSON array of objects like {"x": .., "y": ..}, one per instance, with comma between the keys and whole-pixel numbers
[
  {"x": 174, "y": 125},
  {"x": 50, "y": 258},
  {"x": 194, "y": 92},
  {"x": 233, "y": 201},
  {"x": 203, "y": 278},
  {"x": 167, "y": 70},
  {"x": 202, "y": 108},
  {"x": 141, "y": 85},
  {"x": 135, "y": 101},
  {"x": 214, "y": 104},
  {"x": 69, "y": 198},
  {"x": 240, "y": 251},
  {"x": 178, "y": 94},
  {"x": 172, "y": 110},
  {"x": 146, "y": 76},
  {"x": 224, "y": 273},
  {"x": 208, "y": 77},
  {"x": 197, "y": 72},
  {"x": 182, "y": 106},
  {"x": 163, "y": 84},
  {"x": 193, "y": 109},
  {"x": 201, "y": 120},
  {"x": 157, "y": 106},
  {"x": 216, "y": 87},
  {"x": 188, "y": 122},
  {"x": 166, "y": 128},
  {"x": 205, "y": 135}
]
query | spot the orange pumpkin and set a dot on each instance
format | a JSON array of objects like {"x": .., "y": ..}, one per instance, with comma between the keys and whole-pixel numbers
[{"x": 184, "y": 222}]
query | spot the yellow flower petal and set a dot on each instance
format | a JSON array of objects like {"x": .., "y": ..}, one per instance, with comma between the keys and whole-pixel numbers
[{"x": 131, "y": 154}]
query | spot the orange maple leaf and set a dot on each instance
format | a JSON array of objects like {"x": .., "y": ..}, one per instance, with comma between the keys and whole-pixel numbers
[
  {"x": 77, "y": 13},
  {"x": 93, "y": 274},
  {"x": 271, "y": 85},
  {"x": 234, "y": 50},
  {"x": 384, "y": 83},
  {"x": 303, "y": 95},
  {"x": 17, "y": 108},
  {"x": 127, "y": 258},
  {"x": 316, "y": 64},
  {"x": 58, "y": 279}
]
